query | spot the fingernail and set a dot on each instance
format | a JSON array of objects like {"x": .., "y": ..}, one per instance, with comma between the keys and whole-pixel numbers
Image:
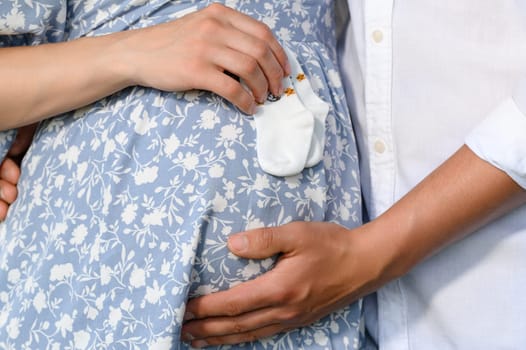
[
  {"x": 200, "y": 344},
  {"x": 238, "y": 243},
  {"x": 252, "y": 109},
  {"x": 288, "y": 69},
  {"x": 187, "y": 337},
  {"x": 188, "y": 316}
]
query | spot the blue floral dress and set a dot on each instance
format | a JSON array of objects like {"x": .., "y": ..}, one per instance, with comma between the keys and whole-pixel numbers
[{"x": 125, "y": 206}]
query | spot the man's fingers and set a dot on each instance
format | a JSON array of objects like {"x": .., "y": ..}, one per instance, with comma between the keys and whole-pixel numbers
[
  {"x": 221, "y": 326},
  {"x": 262, "y": 243},
  {"x": 258, "y": 294},
  {"x": 252, "y": 295},
  {"x": 241, "y": 337}
]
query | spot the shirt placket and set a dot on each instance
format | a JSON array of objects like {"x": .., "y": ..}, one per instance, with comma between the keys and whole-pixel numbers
[
  {"x": 392, "y": 332},
  {"x": 378, "y": 82}
]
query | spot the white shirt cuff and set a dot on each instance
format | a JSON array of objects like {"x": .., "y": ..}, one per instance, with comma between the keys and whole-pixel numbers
[{"x": 501, "y": 139}]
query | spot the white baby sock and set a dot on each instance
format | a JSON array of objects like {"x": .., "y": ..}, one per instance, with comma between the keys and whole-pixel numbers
[
  {"x": 284, "y": 133},
  {"x": 318, "y": 107},
  {"x": 291, "y": 128}
]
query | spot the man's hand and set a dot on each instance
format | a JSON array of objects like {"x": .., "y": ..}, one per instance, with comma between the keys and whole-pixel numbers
[
  {"x": 10, "y": 168},
  {"x": 322, "y": 267}
]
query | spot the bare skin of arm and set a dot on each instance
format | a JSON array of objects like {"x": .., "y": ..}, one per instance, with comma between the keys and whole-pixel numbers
[
  {"x": 189, "y": 53},
  {"x": 316, "y": 275}
]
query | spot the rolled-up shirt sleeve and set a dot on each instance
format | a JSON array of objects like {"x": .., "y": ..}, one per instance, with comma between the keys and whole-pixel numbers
[{"x": 501, "y": 138}]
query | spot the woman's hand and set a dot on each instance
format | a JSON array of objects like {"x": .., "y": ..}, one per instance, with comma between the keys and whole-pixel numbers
[
  {"x": 10, "y": 168},
  {"x": 322, "y": 268},
  {"x": 195, "y": 51},
  {"x": 9, "y": 174}
]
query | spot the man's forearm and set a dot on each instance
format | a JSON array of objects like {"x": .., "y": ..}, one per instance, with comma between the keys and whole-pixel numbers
[{"x": 460, "y": 196}]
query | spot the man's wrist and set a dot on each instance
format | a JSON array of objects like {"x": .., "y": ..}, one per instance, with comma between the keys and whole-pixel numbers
[
  {"x": 390, "y": 236},
  {"x": 375, "y": 257}
]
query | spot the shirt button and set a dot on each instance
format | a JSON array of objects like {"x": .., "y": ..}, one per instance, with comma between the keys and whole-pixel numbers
[
  {"x": 378, "y": 36},
  {"x": 379, "y": 147}
]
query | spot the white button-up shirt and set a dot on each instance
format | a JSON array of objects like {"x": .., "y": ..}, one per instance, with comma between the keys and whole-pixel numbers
[{"x": 424, "y": 77}]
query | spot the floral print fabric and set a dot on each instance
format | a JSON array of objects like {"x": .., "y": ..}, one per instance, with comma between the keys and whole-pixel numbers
[{"x": 125, "y": 206}]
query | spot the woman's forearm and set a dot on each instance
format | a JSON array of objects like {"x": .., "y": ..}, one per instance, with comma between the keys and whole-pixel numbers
[
  {"x": 460, "y": 196},
  {"x": 192, "y": 52},
  {"x": 50, "y": 79}
]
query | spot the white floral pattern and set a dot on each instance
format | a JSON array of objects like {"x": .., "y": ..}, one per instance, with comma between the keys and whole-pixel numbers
[{"x": 125, "y": 206}]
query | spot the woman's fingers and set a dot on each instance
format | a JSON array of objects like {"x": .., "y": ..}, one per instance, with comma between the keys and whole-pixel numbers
[
  {"x": 3, "y": 210},
  {"x": 9, "y": 171},
  {"x": 259, "y": 30},
  {"x": 9, "y": 174},
  {"x": 257, "y": 66},
  {"x": 247, "y": 48},
  {"x": 229, "y": 88},
  {"x": 195, "y": 51},
  {"x": 256, "y": 40},
  {"x": 8, "y": 192},
  {"x": 245, "y": 68},
  {"x": 10, "y": 168}
]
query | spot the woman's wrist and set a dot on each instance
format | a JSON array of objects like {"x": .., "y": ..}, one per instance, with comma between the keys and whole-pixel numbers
[{"x": 116, "y": 59}]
